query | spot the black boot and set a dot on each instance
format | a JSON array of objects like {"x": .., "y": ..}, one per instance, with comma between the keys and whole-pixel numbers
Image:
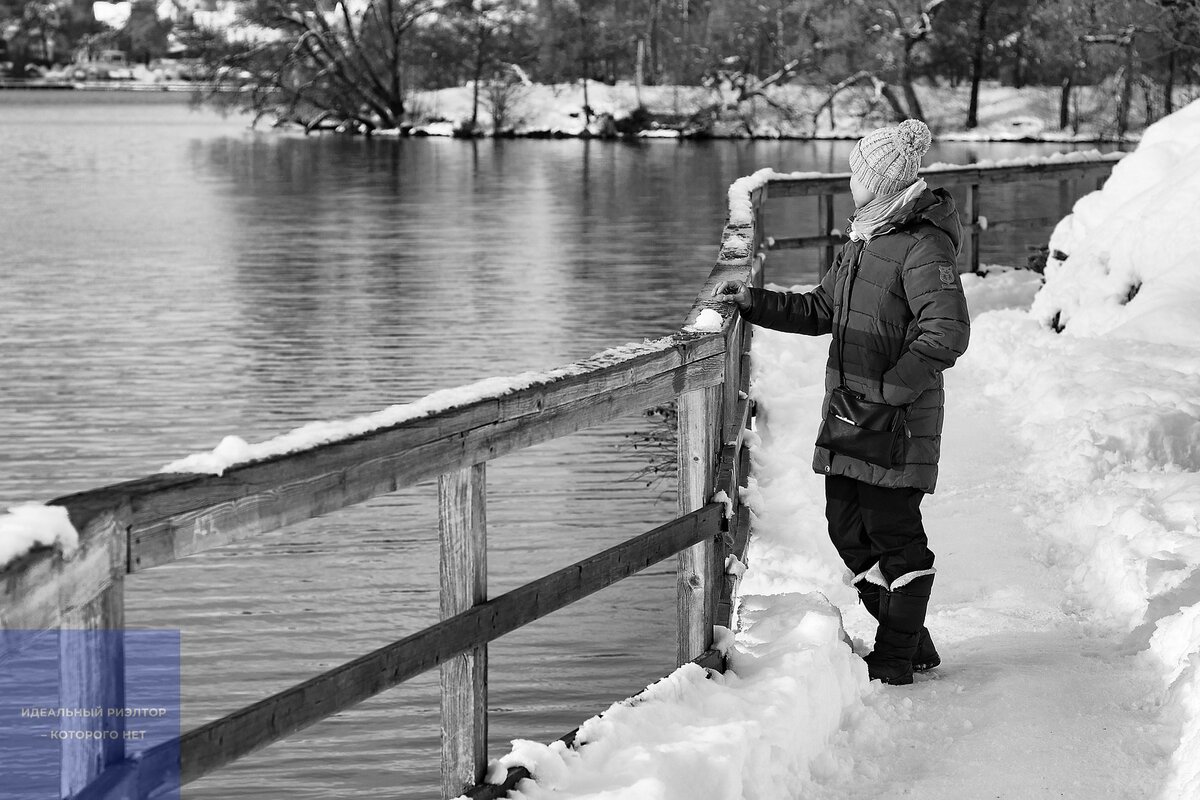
[
  {"x": 901, "y": 619},
  {"x": 926, "y": 657}
]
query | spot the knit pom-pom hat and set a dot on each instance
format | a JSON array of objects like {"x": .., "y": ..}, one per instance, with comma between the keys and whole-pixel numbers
[{"x": 886, "y": 160}]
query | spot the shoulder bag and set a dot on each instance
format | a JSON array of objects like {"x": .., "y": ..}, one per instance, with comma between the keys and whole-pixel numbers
[{"x": 857, "y": 427}]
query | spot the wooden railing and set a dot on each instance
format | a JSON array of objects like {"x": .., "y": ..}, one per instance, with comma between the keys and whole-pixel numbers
[
  {"x": 140, "y": 524},
  {"x": 826, "y": 187},
  {"x": 132, "y": 526}
]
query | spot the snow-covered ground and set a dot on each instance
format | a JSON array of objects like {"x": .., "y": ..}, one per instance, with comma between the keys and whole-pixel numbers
[
  {"x": 1005, "y": 113},
  {"x": 1067, "y": 530}
]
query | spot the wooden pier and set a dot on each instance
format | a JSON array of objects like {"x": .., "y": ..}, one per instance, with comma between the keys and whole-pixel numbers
[{"x": 136, "y": 525}]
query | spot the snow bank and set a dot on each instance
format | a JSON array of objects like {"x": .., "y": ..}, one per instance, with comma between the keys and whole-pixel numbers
[
  {"x": 754, "y": 733},
  {"x": 997, "y": 287},
  {"x": 31, "y": 525},
  {"x": 234, "y": 451},
  {"x": 1130, "y": 266}
]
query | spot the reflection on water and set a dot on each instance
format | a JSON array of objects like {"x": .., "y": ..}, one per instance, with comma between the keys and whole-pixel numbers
[{"x": 173, "y": 278}]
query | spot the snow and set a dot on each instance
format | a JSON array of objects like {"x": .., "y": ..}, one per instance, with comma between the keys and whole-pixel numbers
[
  {"x": 1067, "y": 528},
  {"x": 708, "y": 320},
  {"x": 741, "y": 209},
  {"x": 725, "y": 500},
  {"x": 31, "y": 525},
  {"x": 751, "y": 733},
  {"x": 234, "y": 450},
  {"x": 1139, "y": 231},
  {"x": 1003, "y": 287}
]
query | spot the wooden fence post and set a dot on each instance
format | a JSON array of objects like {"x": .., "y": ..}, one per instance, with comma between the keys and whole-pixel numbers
[
  {"x": 91, "y": 656},
  {"x": 973, "y": 223},
  {"x": 462, "y": 501},
  {"x": 698, "y": 413},
  {"x": 825, "y": 227}
]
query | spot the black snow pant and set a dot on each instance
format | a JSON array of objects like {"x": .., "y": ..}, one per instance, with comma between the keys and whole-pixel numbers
[{"x": 875, "y": 524}]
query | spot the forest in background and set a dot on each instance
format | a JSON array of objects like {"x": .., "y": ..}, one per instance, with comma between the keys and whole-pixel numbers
[{"x": 320, "y": 62}]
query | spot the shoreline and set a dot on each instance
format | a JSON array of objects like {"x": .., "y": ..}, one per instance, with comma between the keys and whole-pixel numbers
[{"x": 555, "y": 114}]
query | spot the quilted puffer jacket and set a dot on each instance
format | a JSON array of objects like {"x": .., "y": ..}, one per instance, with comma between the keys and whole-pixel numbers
[{"x": 901, "y": 302}]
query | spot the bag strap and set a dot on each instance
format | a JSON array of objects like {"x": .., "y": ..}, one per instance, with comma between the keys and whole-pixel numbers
[{"x": 840, "y": 341}]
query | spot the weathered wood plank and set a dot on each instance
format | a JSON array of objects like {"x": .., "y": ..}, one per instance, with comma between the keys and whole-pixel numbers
[
  {"x": 734, "y": 430},
  {"x": 728, "y": 476},
  {"x": 696, "y": 414},
  {"x": 733, "y": 373},
  {"x": 179, "y": 515},
  {"x": 741, "y": 538},
  {"x": 39, "y": 589},
  {"x": 758, "y": 200},
  {"x": 462, "y": 502},
  {"x": 1022, "y": 224},
  {"x": 92, "y": 662},
  {"x": 733, "y": 264},
  {"x": 971, "y": 212},
  {"x": 825, "y": 228},
  {"x": 222, "y": 741},
  {"x": 802, "y": 242},
  {"x": 835, "y": 183}
]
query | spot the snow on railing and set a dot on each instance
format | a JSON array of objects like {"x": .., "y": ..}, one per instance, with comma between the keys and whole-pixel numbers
[{"x": 29, "y": 526}]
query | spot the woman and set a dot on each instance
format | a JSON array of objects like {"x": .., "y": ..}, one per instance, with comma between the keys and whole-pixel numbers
[{"x": 895, "y": 306}]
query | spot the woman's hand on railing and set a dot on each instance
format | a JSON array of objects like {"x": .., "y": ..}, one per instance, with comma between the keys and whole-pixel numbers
[{"x": 737, "y": 291}]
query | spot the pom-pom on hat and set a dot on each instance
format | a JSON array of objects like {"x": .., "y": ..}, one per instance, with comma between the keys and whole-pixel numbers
[{"x": 886, "y": 160}]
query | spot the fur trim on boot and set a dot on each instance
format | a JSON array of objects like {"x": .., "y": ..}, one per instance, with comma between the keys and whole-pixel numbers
[
  {"x": 926, "y": 656},
  {"x": 901, "y": 620}
]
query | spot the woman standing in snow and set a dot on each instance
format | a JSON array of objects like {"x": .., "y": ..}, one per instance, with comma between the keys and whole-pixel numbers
[{"x": 895, "y": 306}]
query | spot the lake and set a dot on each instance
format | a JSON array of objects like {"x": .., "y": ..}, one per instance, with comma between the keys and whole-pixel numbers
[{"x": 172, "y": 277}]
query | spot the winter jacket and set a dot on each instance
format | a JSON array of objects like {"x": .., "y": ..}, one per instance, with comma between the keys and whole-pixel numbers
[{"x": 901, "y": 301}]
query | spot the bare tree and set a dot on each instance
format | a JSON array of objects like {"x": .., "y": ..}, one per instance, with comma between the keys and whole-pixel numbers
[
  {"x": 912, "y": 29},
  {"x": 309, "y": 64},
  {"x": 978, "y": 45}
]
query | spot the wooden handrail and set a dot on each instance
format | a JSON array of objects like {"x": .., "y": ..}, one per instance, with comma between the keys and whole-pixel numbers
[
  {"x": 1064, "y": 169},
  {"x": 224, "y": 740},
  {"x": 826, "y": 187},
  {"x": 173, "y": 515}
]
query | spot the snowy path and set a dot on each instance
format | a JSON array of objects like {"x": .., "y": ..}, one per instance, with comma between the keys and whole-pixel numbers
[
  {"x": 1030, "y": 701},
  {"x": 1066, "y": 525}
]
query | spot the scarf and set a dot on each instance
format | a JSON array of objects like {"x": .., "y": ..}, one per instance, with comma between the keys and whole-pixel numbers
[{"x": 875, "y": 215}]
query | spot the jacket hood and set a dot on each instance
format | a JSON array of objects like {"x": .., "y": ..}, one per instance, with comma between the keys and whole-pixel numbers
[{"x": 936, "y": 206}]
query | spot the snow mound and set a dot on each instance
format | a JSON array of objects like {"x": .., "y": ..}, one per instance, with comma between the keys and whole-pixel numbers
[
  {"x": 1124, "y": 262},
  {"x": 31, "y": 525},
  {"x": 998, "y": 287},
  {"x": 757, "y": 731}
]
